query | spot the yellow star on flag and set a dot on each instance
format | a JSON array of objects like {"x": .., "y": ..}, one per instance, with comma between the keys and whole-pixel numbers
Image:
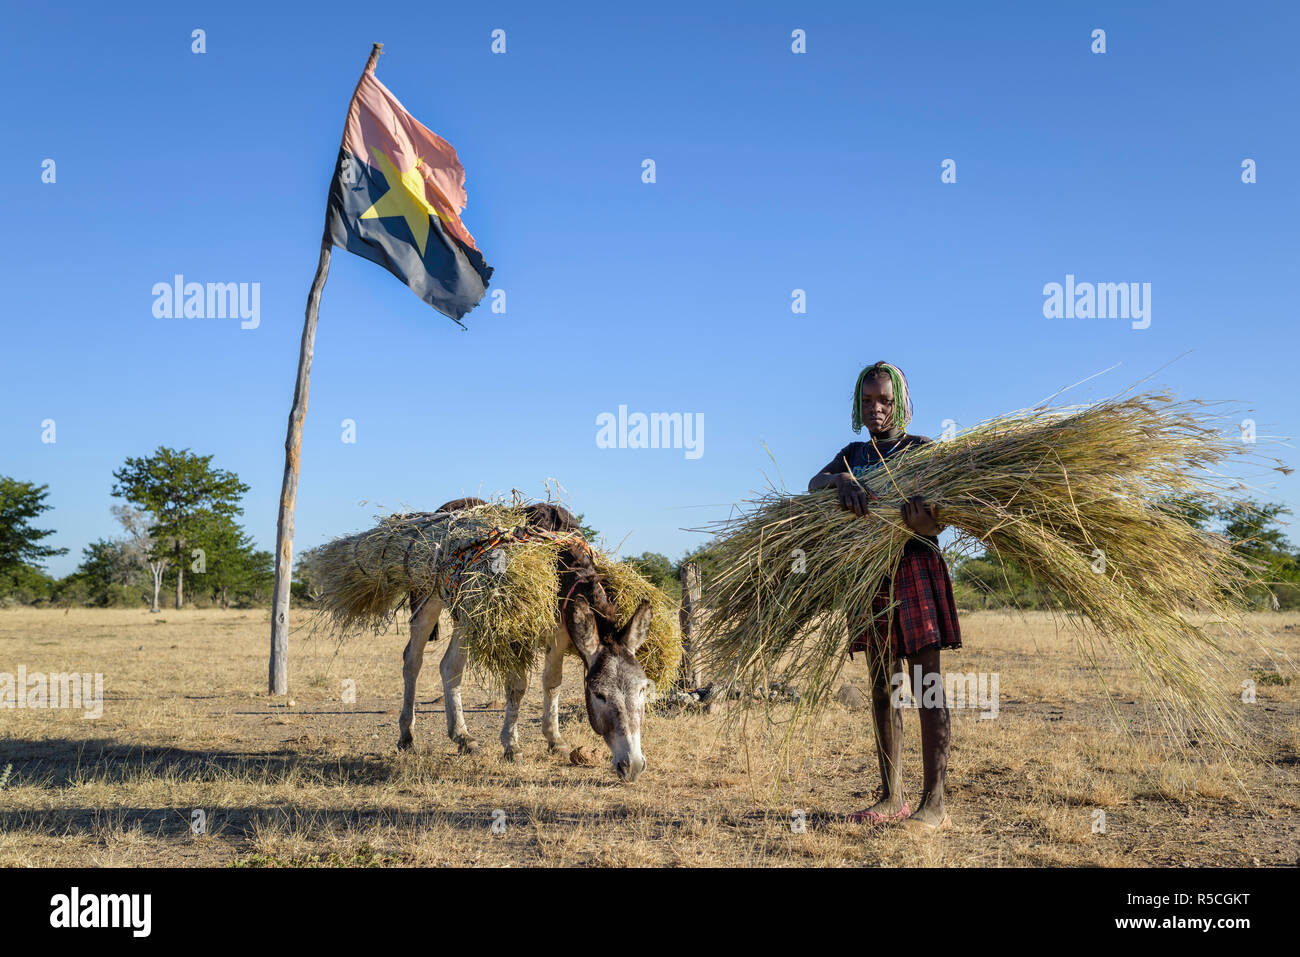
[{"x": 405, "y": 198}]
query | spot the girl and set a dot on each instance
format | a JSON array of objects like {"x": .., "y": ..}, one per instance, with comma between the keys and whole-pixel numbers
[{"x": 924, "y": 619}]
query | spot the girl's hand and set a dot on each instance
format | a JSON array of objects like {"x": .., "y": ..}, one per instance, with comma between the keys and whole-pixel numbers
[
  {"x": 920, "y": 516},
  {"x": 854, "y": 497}
]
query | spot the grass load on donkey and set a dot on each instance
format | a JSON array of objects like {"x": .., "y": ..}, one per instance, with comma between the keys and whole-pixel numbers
[{"x": 495, "y": 566}]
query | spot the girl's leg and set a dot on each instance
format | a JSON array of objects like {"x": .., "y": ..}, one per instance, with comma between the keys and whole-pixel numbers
[
  {"x": 889, "y": 737},
  {"x": 935, "y": 729}
]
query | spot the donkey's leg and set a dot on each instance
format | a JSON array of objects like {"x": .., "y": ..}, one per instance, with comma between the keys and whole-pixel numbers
[
  {"x": 453, "y": 668},
  {"x": 515, "y": 688},
  {"x": 552, "y": 675},
  {"x": 424, "y": 624}
]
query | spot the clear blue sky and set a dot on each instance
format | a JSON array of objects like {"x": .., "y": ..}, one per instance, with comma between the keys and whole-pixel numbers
[{"x": 776, "y": 171}]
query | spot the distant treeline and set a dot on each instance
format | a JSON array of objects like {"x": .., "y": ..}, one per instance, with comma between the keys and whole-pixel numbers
[{"x": 179, "y": 537}]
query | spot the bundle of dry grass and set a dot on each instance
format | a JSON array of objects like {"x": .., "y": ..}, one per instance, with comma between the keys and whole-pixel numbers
[
  {"x": 502, "y": 589},
  {"x": 363, "y": 577},
  {"x": 1078, "y": 496},
  {"x": 661, "y": 655}
]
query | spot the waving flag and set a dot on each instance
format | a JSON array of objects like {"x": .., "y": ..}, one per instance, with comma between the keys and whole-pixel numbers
[{"x": 396, "y": 199}]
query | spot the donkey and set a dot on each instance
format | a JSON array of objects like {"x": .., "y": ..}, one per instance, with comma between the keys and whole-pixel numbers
[{"x": 615, "y": 684}]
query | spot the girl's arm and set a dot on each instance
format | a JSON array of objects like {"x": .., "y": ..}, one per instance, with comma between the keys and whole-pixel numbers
[
  {"x": 824, "y": 480},
  {"x": 854, "y": 497}
]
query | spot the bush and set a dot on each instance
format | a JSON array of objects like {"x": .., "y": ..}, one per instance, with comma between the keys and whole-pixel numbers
[
  {"x": 24, "y": 585},
  {"x": 124, "y": 596},
  {"x": 659, "y": 571},
  {"x": 72, "y": 592}
]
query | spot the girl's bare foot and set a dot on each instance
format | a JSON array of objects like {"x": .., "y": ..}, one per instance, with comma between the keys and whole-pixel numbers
[
  {"x": 930, "y": 814},
  {"x": 891, "y": 807}
]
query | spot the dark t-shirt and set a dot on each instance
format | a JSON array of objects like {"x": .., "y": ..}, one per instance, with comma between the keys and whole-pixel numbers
[{"x": 862, "y": 457}]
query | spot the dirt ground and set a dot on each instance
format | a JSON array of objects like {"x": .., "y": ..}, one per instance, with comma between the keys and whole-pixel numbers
[{"x": 1052, "y": 780}]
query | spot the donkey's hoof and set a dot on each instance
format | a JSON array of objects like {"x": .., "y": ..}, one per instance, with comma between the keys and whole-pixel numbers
[
  {"x": 405, "y": 743},
  {"x": 557, "y": 747},
  {"x": 511, "y": 754},
  {"x": 466, "y": 744}
]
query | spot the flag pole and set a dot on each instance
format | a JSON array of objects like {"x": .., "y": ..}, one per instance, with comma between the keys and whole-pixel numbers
[{"x": 278, "y": 682}]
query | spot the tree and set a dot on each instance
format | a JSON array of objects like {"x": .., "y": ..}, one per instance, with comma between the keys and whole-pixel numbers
[
  {"x": 985, "y": 581},
  {"x": 706, "y": 559},
  {"x": 586, "y": 531},
  {"x": 105, "y": 566},
  {"x": 182, "y": 491},
  {"x": 658, "y": 570},
  {"x": 1254, "y": 528},
  {"x": 232, "y": 567},
  {"x": 1255, "y": 531},
  {"x": 307, "y": 584},
  {"x": 26, "y": 585},
  {"x": 21, "y": 553},
  {"x": 1194, "y": 510},
  {"x": 136, "y": 524}
]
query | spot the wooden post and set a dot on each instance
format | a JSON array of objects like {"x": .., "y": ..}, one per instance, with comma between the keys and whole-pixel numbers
[
  {"x": 278, "y": 681},
  {"x": 690, "y": 673}
]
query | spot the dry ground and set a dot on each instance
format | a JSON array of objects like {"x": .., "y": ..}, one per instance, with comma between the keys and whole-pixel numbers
[{"x": 187, "y": 725}]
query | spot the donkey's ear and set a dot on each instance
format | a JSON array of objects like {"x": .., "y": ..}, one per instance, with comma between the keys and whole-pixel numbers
[
  {"x": 632, "y": 635},
  {"x": 581, "y": 623}
]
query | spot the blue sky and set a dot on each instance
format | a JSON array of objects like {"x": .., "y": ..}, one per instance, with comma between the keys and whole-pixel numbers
[{"x": 775, "y": 172}]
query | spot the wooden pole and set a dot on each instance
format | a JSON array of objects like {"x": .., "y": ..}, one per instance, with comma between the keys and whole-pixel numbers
[
  {"x": 278, "y": 681},
  {"x": 690, "y": 672}
]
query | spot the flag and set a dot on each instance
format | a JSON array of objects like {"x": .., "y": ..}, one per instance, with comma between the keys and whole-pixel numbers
[{"x": 396, "y": 199}]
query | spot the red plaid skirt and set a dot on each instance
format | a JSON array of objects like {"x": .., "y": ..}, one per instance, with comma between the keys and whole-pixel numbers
[{"x": 924, "y": 613}]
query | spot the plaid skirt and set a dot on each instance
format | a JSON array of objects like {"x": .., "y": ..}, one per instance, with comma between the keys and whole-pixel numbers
[{"x": 924, "y": 614}]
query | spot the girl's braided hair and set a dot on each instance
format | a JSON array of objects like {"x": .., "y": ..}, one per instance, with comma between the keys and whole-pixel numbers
[{"x": 902, "y": 400}]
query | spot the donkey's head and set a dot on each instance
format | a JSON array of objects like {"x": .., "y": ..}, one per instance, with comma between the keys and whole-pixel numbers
[{"x": 615, "y": 684}]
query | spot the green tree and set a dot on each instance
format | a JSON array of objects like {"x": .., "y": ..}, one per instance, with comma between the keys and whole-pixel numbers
[
  {"x": 587, "y": 532},
  {"x": 233, "y": 568},
  {"x": 26, "y": 585},
  {"x": 307, "y": 584},
  {"x": 1255, "y": 531},
  {"x": 658, "y": 570},
  {"x": 983, "y": 581},
  {"x": 22, "y": 555},
  {"x": 1194, "y": 510},
  {"x": 182, "y": 491},
  {"x": 109, "y": 574},
  {"x": 706, "y": 559},
  {"x": 1255, "y": 528}
]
